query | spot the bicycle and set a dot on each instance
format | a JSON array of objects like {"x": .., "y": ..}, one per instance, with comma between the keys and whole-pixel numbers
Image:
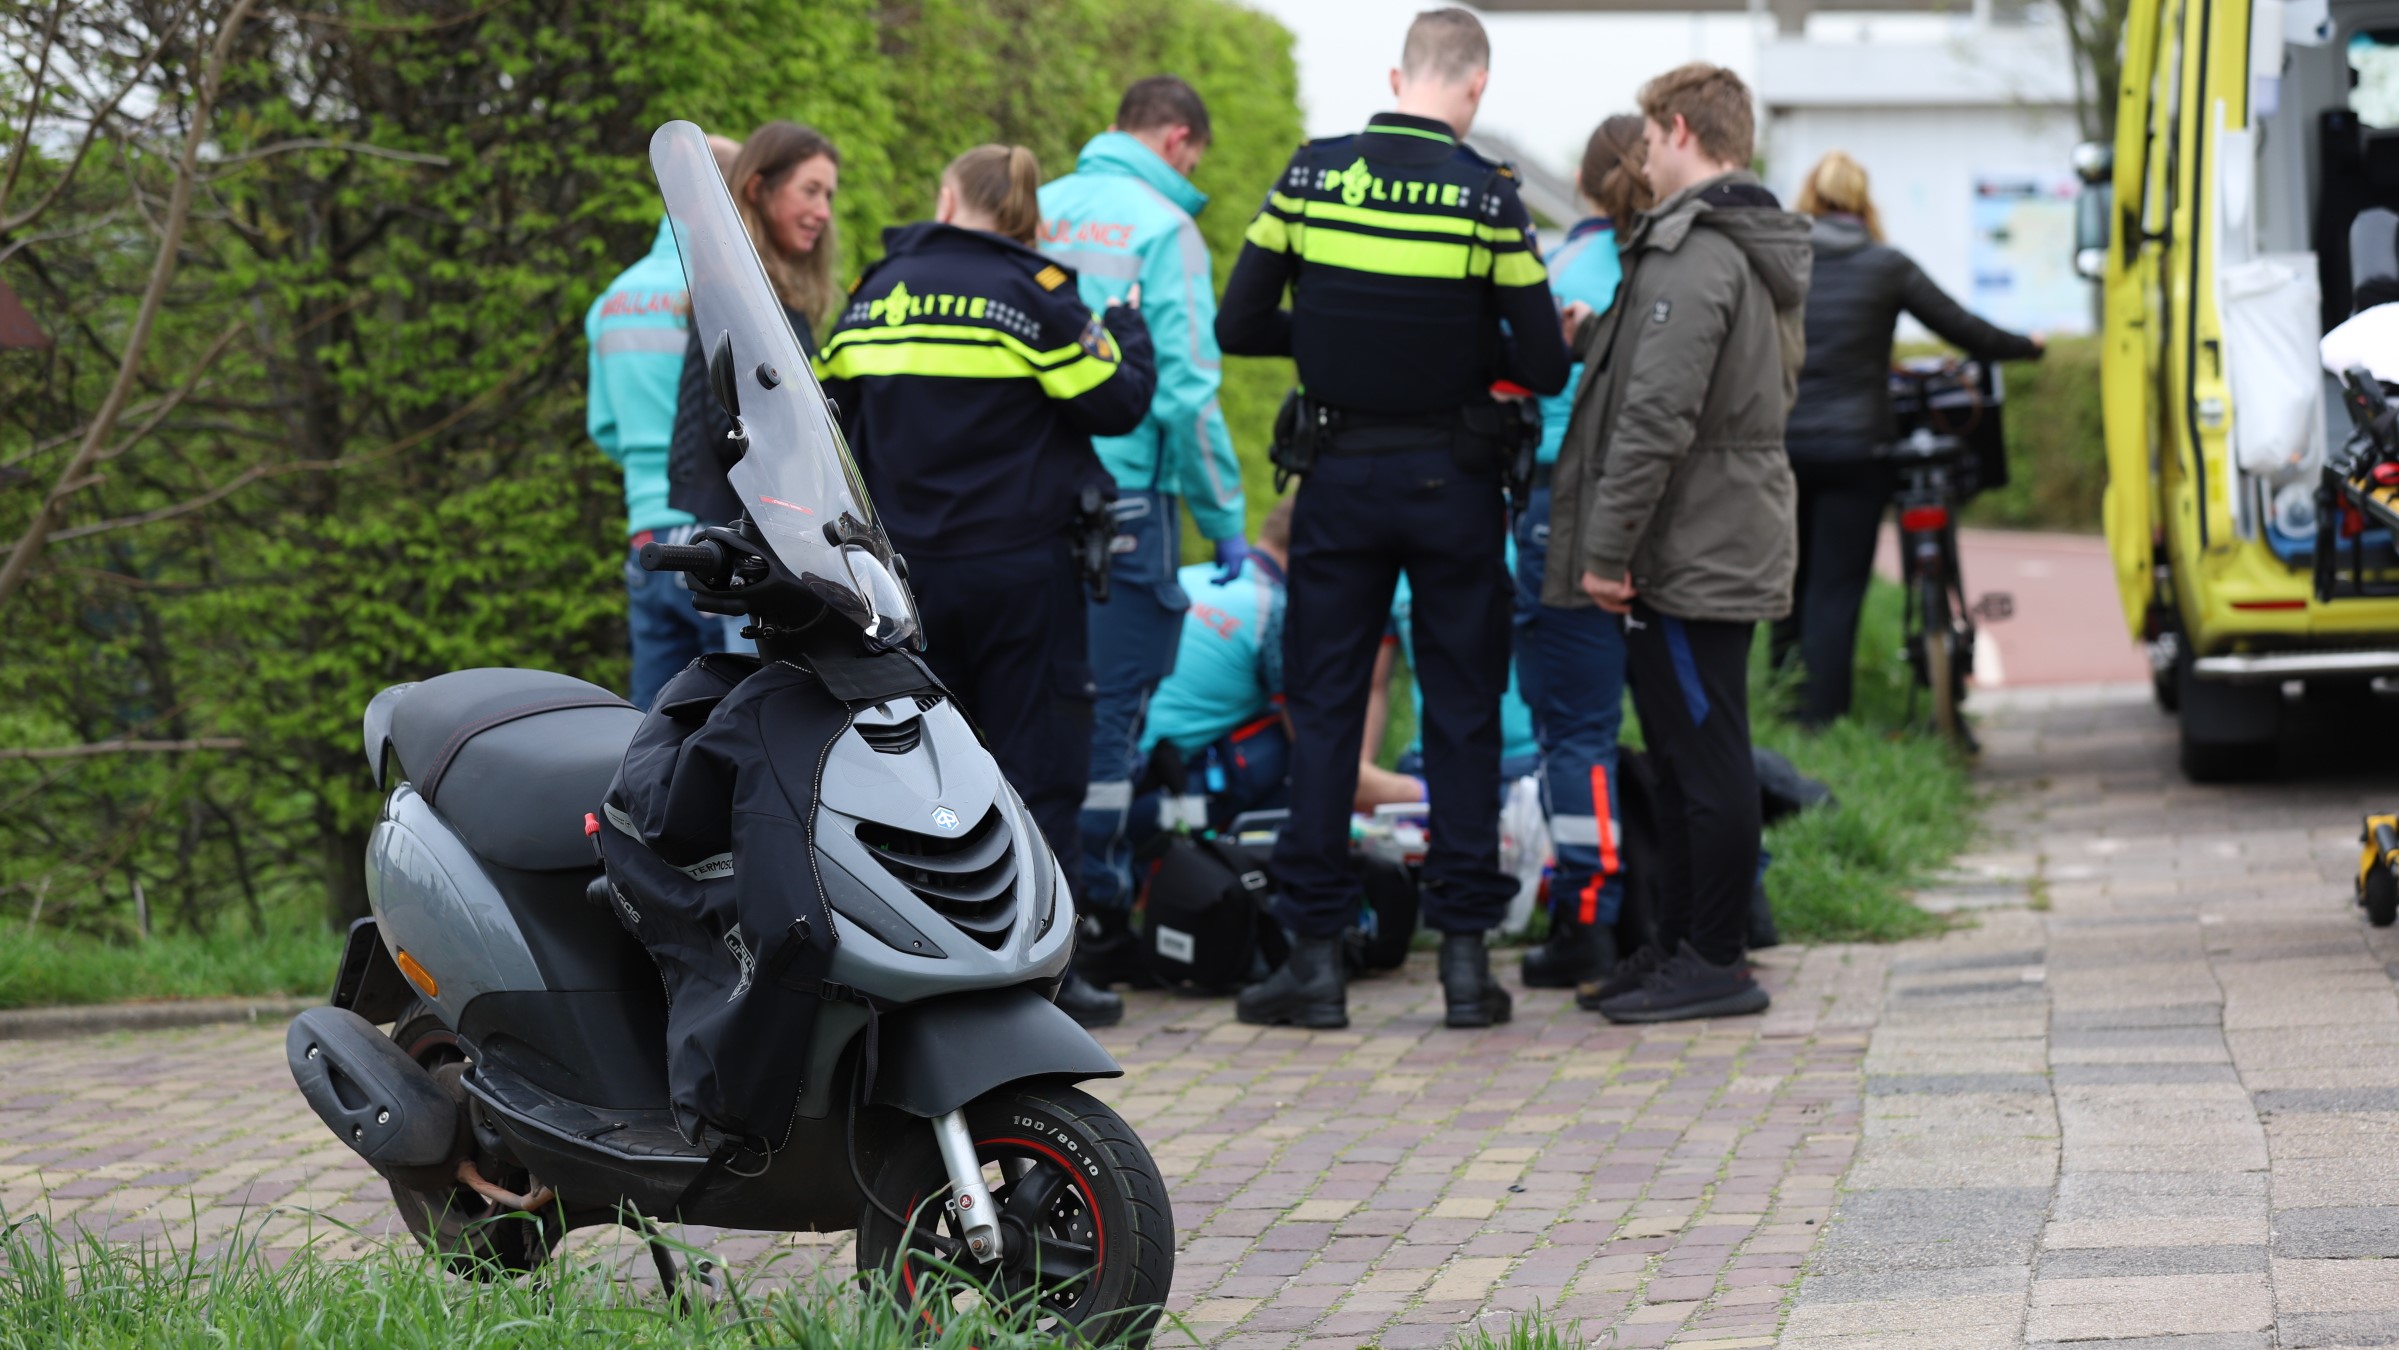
[{"x": 1948, "y": 450}]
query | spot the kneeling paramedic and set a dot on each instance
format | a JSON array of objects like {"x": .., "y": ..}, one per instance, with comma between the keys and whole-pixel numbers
[
  {"x": 1405, "y": 253},
  {"x": 971, "y": 378},
  {"x": 1222, "y": 709}
]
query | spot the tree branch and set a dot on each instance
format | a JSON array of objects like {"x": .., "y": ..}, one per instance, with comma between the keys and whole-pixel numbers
[
  {"x": 30, "y": 544},
  {"x": 127, "y": 748},
  {"x": 260, "y": 471},
  {"x": 33, "y": 106},
  {"x": 350, "y": 147},
  {"x": 100, "y": 115}
]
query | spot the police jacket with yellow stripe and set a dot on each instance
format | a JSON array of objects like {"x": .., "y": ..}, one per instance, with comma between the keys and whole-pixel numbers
[
  {"x": 1405, "y": 252},
  {"x": 971, "y": 378}
]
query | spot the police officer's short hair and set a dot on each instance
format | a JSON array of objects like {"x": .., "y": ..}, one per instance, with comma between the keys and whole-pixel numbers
[
  {"x": 1447, "y": 45},
  {"x": 1163, "y": 101}
]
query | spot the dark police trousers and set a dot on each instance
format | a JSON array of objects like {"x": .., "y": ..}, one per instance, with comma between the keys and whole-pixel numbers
[
  {"x": 1005, "y": 632},
  {"x": 1364, "y": 514}
]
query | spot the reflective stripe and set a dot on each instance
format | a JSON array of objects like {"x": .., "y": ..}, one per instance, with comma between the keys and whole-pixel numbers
[
  {"x": 1268, "y": 232},
  {"x": 988, "y": 358},
  {"x": 1395, "y": 130},
  {"x": 1518, "y": 269},
  {"x": 1094, "y": 263},
  {"x": 1580, "y": 831},
  {"x": 1392, "y": 257},
  {"x": 954, "y": 332},
  {"x": 619, "y": 819},
  {"x": 644, "y": 339},
  {"x": 1115, "y": 796},
  {"x": 1409, "y": 220},
  {"x": 1290, "y": 205},
  {"x": 1606, "y": 816},
  {"x": 1188, "y": 811}
]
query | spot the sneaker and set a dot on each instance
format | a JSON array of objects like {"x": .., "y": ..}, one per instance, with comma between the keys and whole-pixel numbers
[
  {"x": 1628, "y": 976},
  {"x": 1686, "y": 986}
]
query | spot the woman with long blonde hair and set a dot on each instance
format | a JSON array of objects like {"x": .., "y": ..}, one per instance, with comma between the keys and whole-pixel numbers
[
  {"x": 783, "y": 180},
  {"x": 1841, "y": 423}
]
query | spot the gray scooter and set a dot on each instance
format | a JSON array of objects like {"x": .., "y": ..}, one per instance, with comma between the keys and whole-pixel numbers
[{"x": 522, "y": 1088}]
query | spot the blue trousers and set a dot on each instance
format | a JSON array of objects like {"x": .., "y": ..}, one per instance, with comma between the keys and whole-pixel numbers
[
  {"x": 1570, "y": 668},
  {"x": 1246, "y": 771},
  {"x": 668, "y": 634},
  {"x": 1132, "y": 640},
  {"x": 1389, "y": 501}
]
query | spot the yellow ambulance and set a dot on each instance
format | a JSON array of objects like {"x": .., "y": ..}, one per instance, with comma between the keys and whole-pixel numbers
[{"x": 2250, "y": 198}]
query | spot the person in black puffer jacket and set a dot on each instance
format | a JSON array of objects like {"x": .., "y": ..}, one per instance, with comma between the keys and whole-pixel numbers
[{"x": 1841, "y": 423}]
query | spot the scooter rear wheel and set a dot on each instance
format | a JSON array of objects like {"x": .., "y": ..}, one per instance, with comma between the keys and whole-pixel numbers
[
  {"x": 1088, "y": 1230},
  {"x": 472, "y": 1235}
]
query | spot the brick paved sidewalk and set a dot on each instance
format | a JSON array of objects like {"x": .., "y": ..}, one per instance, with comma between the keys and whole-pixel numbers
[
  {"x": 1381, "y": 1185},
  {"x": 2150, "y": 1093},
  {"x": 2161, "y": 1112}
]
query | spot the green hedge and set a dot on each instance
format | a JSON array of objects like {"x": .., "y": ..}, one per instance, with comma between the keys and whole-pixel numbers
[
  {"x": 2057, "y": 450},
  {"x": 413, "y": 316}
]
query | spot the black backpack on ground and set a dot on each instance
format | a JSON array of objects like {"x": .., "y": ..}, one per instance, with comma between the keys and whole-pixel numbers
[{"x": 1204, "y": 920}]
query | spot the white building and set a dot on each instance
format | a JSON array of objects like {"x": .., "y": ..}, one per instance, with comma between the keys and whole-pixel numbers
[{"x": 1964, "y": 120}]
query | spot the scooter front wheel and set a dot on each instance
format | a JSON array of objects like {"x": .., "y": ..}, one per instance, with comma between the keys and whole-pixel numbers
[{"x": 1087, "y": 1230}]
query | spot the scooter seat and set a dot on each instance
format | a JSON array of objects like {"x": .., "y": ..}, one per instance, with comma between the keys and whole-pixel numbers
[{"x": 513, "y": 759}]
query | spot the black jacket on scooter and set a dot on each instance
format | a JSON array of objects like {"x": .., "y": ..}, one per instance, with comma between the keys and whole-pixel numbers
[{"x": 710, "y": 853}]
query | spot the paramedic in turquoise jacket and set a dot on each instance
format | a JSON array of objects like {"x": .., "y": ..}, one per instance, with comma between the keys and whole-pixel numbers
[
  {"x": 1570, "y": 662},
  {"x": 637, "y": 329},
  {"x": 1222, "y": 708},
  {"x": 1121, "y": 220}
]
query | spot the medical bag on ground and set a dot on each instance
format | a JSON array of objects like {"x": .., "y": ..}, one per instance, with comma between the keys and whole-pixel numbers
[{"x": 1204, "y": 920}]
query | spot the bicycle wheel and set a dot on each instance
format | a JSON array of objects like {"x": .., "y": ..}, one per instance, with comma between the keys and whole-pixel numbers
[{"x": 1942, "y": 678}]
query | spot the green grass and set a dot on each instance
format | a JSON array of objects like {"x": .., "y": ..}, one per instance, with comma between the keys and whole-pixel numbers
[
  {"x": 42, "y": 967},
  {"x": 1906, "y": 807},
  {"x": 1906, "y": 804},
  {"x": 60, "y": 1292}
]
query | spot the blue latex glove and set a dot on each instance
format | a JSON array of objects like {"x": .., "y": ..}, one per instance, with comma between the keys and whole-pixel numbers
[{"x": 1232, "y": 553}]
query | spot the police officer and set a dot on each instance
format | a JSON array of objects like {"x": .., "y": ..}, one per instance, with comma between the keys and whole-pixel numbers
[
  {"x": 971, "y": 378},
  {"x": 1124, "y": 217},
  {"x": 1415, "y": 284}
]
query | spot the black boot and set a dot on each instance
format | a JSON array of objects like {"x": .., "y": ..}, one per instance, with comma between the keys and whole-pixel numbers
[
  {"x": 1108, "y": 951},
  {"x": 1475, "y": 999},
  {"x": 1092, "y": 1007},
  {"x": 1311, "y": 990},
  {"x": 1572, "y": 954}
]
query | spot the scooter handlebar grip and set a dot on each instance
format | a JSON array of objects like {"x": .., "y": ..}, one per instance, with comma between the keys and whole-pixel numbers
[{"x": 681, "y": 558}]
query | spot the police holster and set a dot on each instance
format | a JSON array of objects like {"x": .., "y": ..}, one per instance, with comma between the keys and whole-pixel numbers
[
  {"x": 1094, "y": 537},
  {"x": 1505, "y": 433},
  {"x": 1302, "y": 428}
]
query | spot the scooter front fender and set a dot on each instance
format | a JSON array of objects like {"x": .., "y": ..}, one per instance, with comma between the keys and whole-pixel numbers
[{"x": 939, "y": 1055}]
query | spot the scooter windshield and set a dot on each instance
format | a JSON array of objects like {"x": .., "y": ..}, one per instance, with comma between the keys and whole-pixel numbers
[{"x": 796, "y": 481}]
